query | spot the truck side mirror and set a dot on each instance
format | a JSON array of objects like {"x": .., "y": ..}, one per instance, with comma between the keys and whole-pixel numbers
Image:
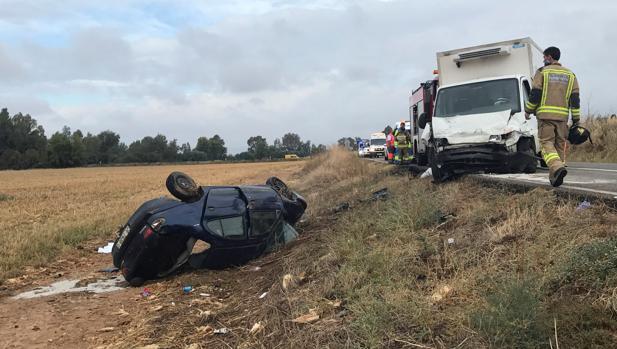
[{"x": 422, "y": 120}]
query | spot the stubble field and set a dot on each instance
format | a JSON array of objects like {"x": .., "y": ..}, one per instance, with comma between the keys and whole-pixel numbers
[{"x": 43, "y": 212}]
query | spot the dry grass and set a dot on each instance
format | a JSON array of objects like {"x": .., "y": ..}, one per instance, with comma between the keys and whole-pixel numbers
[
  {"x": 604, "y": 135},
  {"x": 45, "y": 211}
]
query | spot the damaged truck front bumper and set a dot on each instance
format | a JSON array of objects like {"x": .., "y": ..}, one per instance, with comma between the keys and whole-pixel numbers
[{"x": 490, "y": 158}]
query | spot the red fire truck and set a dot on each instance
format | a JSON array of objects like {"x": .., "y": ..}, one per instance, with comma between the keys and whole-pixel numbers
[{"x": 421, "y": 105}]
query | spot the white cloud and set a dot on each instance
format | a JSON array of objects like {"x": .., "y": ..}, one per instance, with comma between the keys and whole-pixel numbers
[{"x": 324, "y": 69}]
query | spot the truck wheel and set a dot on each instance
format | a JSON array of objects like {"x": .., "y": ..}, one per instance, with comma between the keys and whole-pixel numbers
[
  {"x": 183, "y": 187},
  {"x": 525, "y": 146},
  {"x": 438, "y": 173}
]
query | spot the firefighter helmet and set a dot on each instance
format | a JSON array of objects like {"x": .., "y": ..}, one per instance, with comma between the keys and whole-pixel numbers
[{"x": 579, "y": 135}]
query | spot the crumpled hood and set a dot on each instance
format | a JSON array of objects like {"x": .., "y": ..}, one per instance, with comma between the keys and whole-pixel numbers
[{"x": 477, "y": 128}]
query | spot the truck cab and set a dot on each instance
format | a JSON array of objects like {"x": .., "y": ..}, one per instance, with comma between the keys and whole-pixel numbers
[{"x": 478, "y": 123}]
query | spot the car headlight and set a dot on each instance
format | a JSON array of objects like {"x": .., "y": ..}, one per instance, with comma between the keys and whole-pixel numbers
[{"x": 495, "y": 138}]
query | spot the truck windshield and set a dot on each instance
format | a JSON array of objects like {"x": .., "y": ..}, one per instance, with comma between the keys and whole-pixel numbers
[
  {"x": 378, "y": 141},
  {"x": 478, "y": 98}
]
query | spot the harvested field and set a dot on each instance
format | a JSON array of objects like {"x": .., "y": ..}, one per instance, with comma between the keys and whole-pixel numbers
[{"x": 43, "y": 212}]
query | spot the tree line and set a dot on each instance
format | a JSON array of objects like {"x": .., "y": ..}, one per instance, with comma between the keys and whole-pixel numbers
[{"x": 23, "y": 144}]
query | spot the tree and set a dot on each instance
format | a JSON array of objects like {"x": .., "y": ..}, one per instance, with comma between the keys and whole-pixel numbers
[
  {"x": 258, "y": 147},
  {"x": 291, "y": 142},
  {"x": 19, "y": 135},
  {"x": 60, "y": 149},
  {"x": 214, "y": 148}
]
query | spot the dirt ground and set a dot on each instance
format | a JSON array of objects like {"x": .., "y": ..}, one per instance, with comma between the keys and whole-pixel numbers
[{"x": 86, "y": 319}]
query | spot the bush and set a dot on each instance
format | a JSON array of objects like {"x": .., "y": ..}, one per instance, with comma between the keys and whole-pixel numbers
[
  {"x": 511, "y": 317},
  {"x": 591, "y": 266}
]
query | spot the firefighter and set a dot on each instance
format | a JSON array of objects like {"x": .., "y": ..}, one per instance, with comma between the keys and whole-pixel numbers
[
  {"x": 554, "y": 96},
  {"x": 402, "y": 142}
]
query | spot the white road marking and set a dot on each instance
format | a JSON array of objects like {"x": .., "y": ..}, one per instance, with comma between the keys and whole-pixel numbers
[
  {"x": 592, "y": 169},
  {"x": 543, "y": 178}
]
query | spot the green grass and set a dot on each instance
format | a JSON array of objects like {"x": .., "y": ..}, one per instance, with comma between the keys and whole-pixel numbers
[{"x": 5, "y": 197}]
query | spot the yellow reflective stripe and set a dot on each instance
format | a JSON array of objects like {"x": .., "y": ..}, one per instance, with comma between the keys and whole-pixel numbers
[
  {"x": 576, "y": 112},
  {"x": 550, "y": 157},
  {"x": 554, "y": 108},
  {"x": 530, "y": 105},
  {"x": 544, "y": 87},
  {"x": 550, "y": 111},
  {"x": 570, "y": 86}
]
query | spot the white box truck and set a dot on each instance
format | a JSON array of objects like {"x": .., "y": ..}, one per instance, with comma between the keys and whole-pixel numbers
[
  {"x": 377, "y": 146},
  {"x": 478, "y": 124}
]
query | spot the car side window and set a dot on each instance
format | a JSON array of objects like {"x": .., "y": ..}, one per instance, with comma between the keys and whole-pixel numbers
[
  {"x": 229, "y": 227},
  {"x": 262, "y": 222}
]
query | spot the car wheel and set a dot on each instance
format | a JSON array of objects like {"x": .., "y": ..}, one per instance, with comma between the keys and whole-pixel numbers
[
  {"x": 183, "y": 187},
  {"x": 281, "y": 188},
  {"x": 525, "y": 146}
]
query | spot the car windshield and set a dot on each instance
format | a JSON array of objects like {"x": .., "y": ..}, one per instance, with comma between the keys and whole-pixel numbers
[
  {"x": 478, "y": 98},
  {"x": 378, "y": 141}
]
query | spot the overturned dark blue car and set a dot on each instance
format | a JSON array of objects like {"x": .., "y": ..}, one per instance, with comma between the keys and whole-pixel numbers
[{"x": 236, "y": 223}]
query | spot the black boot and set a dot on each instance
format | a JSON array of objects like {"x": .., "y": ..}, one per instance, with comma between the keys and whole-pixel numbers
[{"x": 557, "y": 178}]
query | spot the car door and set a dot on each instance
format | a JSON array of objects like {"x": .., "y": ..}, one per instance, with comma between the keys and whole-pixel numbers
[{"x": 227, "y": 225}]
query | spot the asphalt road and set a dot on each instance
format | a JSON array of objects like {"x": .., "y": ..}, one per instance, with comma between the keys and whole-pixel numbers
[{"x": 584, "y": 178}]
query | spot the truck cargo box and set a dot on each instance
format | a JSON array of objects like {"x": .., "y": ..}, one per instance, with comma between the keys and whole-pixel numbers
[{"x": 511, "y": 57}]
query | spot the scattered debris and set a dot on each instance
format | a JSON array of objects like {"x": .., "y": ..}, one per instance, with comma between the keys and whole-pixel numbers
[
  {"x": 343, "y": 206},
  {"x": 204, "y": 294},
  {"x": 450, "y": 241},
  {"x": 35, "y": 328},
  {"x": 109, "y": 270},
  {"x": 381, "y": 194},
  {"x": 187, "y": 289},
  {"x": 583, "y": 205},
  {"x": 256, "y": 268},
  {"x": 311, "y": 317},
  {"x": 289, "y": 281},
  {"x": 106, "y": 329},
  {"x": 371, "y": 237},
  {"x": 441, "y": 293},
  {"x": 336, "y": 303},
  {"x": 427, "y": 173},
  {"x": 263, "y": 295},
  {"x": 207, "y": 330},
  {"x": 222, "y": 330},
  {"x": 121, "y": 312},
  {"x": 107, "y": 248},
  {"x": 257, "y": 327},
  {"x": 146, "y": 292},
  {"x": 157, "y": 308}
]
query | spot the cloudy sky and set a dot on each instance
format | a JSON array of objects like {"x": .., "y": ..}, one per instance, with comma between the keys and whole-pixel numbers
[{"x": 323, "y": 69}]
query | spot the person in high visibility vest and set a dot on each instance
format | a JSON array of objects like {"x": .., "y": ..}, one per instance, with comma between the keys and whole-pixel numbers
[
  {"x": 554, "y": 97},
  {"x": 402, "y": 142}
]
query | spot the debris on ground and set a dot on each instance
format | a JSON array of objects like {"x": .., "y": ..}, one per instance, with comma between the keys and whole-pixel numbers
[
  {"x": 222, "y": 330},
  {"x": 109, "y": 270},
  {"x": 107, "y": 248},
  {"x": 146, "y": 292},
  {"x": 583, "y": 205},
  {"x": 257, "y": 327},
  {"x": 441, "y": 293},
  {"x": 450, "y": 241},
  {"x": 381, "y": 194},
  {"x": 187, "y": 289},
  {"x": 427, "y": 173},
  {"x": 121, "y": 312},
  {"x": 343, "y": 206},
  {"x": 263, "y": 295},
  {"x": 311, "y": 317},
  {"x": 289, "y": 281},
  {"x": 106, "y": 329}
]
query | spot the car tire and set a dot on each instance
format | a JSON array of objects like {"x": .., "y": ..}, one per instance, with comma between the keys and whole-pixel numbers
[
  {"x": 294, "y": 204},
  {"x": 136, "y": 281},
  {"x": 183, "y": 187}
]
